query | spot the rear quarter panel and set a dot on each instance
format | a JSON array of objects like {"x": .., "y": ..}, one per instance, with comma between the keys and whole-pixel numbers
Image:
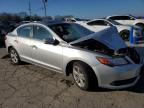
[{"x": 10, "y": 42}]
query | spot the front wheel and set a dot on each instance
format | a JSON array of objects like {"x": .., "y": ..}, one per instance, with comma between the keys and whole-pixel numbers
[
  {"x": 83, "y": 76},
  {"x": 14, "y": 56},
  {"x": 125, "y": 35}
]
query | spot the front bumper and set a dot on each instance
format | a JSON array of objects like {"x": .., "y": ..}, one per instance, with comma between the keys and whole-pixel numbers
[{"x": 117, "y": 77}]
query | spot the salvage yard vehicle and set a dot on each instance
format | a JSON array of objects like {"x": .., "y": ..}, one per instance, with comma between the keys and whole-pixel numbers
[
  {"x": 128, "y": 20},
  {"x": 5, "y": 28},
  {"x": 99, "y": 59},
  {"x": 3, "y": 31},
  {"x": 124, "y": 30}
]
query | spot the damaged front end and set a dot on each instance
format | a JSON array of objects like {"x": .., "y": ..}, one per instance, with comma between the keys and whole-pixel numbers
[
  {"x": 96, "y": 46},
  {"x": 107, "y": 42},
  {"x": 131, "y": 53}
]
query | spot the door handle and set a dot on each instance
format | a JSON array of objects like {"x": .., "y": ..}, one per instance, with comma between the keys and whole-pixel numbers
[
  {"x": 34, "y": 47},
  {"x": 16, "y": 41}
]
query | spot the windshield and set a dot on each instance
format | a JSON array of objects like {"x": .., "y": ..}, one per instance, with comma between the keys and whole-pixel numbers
[
  {"x": 114, "y": 22},
  {"x": 70, "y": 32}
]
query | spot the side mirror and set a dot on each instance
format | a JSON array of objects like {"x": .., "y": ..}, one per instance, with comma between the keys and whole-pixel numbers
[
  {"x": 51, "y": 41},
  {"x": 56, "y": 42}
]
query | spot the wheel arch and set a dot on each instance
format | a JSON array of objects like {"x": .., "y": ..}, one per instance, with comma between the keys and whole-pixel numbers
[
  {"x": 68, "y": 68},
  {"x": 9, "y": 47},
  {"x": 139, "y": 23}
]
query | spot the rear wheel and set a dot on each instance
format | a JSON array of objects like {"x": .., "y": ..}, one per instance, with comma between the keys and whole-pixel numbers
[
  {"x": 14, "y": 56},
  {"x": 125, "y": 34},
  {"x": 83, "y": 76}
]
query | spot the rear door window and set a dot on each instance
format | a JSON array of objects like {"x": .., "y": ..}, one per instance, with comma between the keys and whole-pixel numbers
[
  {"x": 24, "y": 31},
  {"x": 40, "y": 33}
]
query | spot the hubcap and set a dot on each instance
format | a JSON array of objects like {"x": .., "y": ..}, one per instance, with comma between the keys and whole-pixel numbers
[
  {"x": 79, "y": 76},
  {"x": 14, "y": 56},
  {"x": 125, "y": 36}
]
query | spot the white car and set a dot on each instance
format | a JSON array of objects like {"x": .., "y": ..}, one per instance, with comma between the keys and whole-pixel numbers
[
  {"x": 124, "y": 30},
  {"x": 127, "y": 20},
  {"x": 75, "y": 20},
  {"x": 94, "y": 59}
]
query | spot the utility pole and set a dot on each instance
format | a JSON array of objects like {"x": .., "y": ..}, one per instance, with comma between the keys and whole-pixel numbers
[
  {"x": 45, "y": 7},
  {"x": 30, "y": 11}
]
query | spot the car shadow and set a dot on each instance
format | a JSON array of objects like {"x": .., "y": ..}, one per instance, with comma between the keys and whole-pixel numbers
[
  {"x": 7, "y": 57},
  {"x": 139, "y": 87}
]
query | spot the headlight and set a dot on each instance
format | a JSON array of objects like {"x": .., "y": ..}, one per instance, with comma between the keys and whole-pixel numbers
[{"x": 112, "y": 61}]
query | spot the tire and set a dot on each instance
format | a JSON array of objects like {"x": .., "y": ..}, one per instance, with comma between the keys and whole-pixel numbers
[
  {"x": 15, "y": 59},
  {"x": 83, "y": 76},
  {"x": 125, "y": 34}
]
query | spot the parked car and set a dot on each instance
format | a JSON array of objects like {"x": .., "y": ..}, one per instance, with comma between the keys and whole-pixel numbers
[
  {"x": 3, "y": 31},
  {"x": 72, "y": 20},
  {"x": 1, "y": 38},
  {"x": 99, "y": 59},
  {"x": 128, "y": 20},
  {"x": 124, "y": 30}
]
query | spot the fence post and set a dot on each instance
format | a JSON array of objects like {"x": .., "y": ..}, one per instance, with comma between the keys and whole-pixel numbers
[{"x": 131, "y": 35}]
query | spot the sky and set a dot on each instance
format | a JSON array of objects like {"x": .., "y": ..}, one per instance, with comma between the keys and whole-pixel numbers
[{"x": 77, "y": 8}]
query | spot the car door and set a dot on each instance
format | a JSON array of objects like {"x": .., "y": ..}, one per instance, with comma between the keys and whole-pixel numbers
[
  {"x": 98, "y": 25},
  {"x": 45, "y": 54},
  {"x": 24, "y": 37}
]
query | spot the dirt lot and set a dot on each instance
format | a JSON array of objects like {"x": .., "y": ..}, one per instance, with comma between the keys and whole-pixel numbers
[{"x": 29, "y": 86}]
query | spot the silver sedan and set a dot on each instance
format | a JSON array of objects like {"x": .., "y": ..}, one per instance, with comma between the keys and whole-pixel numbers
[{"x": 99, "y": 59}]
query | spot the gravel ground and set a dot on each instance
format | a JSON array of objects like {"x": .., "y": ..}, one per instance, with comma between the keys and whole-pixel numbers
[{"x": 29, "y": 86}]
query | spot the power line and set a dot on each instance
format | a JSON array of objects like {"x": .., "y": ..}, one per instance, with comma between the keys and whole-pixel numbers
[
  {"x": 30, "y": 10},
  {"x": 45, "y": 7}
]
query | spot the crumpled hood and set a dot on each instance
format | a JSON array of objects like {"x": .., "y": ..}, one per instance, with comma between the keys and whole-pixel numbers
[{"x": 108, "y": 37}]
